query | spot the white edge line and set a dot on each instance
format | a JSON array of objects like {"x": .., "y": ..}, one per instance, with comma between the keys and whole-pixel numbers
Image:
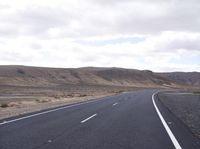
[
  {"x": 171, "y": 135},
  {"x": 45, "y": 112},
  {"x": 83, "y": 121}
]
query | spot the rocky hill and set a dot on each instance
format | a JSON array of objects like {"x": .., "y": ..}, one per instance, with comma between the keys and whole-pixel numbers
[{"x": 42, "y": 76}]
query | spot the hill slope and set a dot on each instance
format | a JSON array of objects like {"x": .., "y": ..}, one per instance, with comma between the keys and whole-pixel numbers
[
  {"x": 189, "y": 78},
  {"x": 40, "y": 76}
]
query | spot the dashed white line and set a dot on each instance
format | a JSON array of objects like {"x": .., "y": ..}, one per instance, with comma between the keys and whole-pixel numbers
[
  {"x": 115, "y": 104},
  {"x": 83, "y": 121},
  {"x": 171, "y": 135},
  {"x": 45, "y": 112}
]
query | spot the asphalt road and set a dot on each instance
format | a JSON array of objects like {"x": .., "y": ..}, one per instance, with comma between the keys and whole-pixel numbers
[{"x": 125, "y": 121}]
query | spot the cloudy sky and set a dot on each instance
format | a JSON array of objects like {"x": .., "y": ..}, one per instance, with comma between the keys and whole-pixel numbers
[{"x": 160, "y": 35}]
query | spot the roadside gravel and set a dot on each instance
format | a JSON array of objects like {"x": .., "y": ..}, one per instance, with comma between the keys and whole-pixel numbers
[{"x": 186, "y": 106}]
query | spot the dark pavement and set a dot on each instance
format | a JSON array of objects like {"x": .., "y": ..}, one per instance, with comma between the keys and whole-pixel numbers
[{"x": 125, "y": 121}]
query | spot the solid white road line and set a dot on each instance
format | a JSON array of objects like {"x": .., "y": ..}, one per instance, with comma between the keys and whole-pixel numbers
[
  {"x": 171, "y": 135},
  {"x": 45, "y": 112},
  {"x": 83, "y": 121},
  {"x": 115, "y": 104}
]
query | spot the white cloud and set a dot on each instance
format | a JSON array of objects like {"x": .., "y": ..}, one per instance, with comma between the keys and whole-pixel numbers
[{"x": 158, "y": 35}]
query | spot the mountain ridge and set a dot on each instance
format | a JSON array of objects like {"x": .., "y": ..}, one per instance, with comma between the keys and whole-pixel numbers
[{"x": 114, "y": 76}]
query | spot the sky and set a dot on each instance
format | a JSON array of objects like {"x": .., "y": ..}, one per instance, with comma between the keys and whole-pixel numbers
[{"x": 158, "y": 35}]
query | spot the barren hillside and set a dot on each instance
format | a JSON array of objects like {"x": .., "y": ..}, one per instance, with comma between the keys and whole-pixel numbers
[
  {"x": 189, "y": 78},
  {"x": 38, "y": 76}
]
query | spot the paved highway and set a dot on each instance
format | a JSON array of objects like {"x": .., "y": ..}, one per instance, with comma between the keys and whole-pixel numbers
[{"x": 135, "y": 120}]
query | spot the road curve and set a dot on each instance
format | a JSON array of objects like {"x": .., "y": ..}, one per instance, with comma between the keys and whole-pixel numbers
[{"x": 125, "y": 121}]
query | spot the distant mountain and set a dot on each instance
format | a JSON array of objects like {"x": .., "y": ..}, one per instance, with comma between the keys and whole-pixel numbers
[
  {"x": 189, "y": 78},
  {"x": 42, "y": 76}
]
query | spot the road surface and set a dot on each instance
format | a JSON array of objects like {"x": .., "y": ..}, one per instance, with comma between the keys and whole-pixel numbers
[{"x": 127, "y": 121}]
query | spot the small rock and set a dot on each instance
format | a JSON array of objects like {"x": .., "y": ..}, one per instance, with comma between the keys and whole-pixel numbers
[{"x": 169, "y": 123}]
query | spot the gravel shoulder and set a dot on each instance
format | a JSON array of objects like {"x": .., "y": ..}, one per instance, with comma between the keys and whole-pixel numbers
[{"x": 186, "y": 106}]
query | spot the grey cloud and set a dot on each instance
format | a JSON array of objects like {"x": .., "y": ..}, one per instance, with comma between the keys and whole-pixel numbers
[
  {"x": 35, "y": 46},
  {"x": 96, "y": 19},
  {"x": 32, "y": 20},
  {"x": 8, "y": 30},
  {"x": 153, "y": 18},
  {"x": 105, "y": 2},
  {"x": 14, "y": 57},
  {"x": 186, "y": 44},
  {"x": 109, "y": 2},
  {"x": 140, "y": 17},
  {"x": 169, "y": 42},
  {"x": 2, "y": 7},
  {"x": 39, "y": 19}
]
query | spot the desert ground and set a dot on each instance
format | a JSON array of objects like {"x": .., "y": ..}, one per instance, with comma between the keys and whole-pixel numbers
[{"x": 185, "y": 106}]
